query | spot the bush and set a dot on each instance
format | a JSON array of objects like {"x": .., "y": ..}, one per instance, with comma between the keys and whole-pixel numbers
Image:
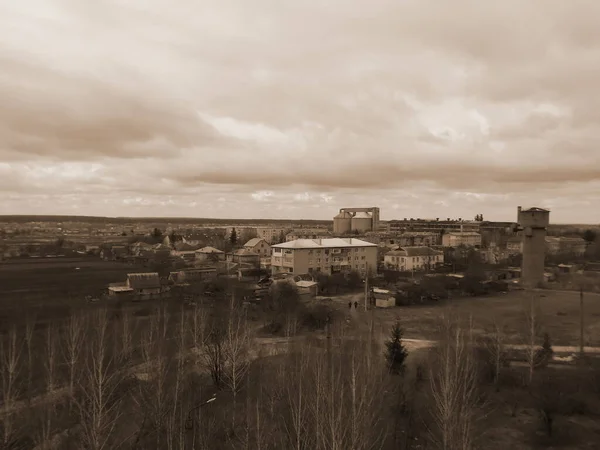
[{"x": 316, "y": 317}]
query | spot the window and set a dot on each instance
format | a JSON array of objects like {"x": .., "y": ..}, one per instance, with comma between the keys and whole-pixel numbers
[
  {"x": 310, "y": 252},
  {"x": 310, "y": 262}
]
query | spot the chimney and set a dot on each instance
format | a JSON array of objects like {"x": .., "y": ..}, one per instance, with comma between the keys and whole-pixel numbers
[{"x": 519, "y": 209}]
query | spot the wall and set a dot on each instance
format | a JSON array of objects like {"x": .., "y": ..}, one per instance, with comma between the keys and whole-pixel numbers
[{"x": 534, "y": 249}]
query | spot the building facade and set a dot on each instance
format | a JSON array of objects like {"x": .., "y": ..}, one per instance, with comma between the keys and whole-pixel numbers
[
  {"x": 259, "y": 246},
  {"x": 325, "y": 256},
  {"x": 407, "y": 259},
  {"x": 272, "y": 235},
  {"x": 433, "y": 225},
  {"x": 466, "y": 238}
]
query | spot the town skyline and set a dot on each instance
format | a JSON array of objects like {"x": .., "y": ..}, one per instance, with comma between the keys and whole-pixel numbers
[{"x": 110, "y": 109}]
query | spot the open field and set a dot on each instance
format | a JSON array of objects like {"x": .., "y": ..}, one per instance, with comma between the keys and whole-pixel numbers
[
  {"x": 85, "y": 274},
  {"x": 558, "y": 315}
]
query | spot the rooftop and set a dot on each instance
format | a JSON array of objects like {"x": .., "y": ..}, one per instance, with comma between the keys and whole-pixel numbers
[
  {"x": 415, "y": 251},
  {"x": 464, "y": 233},
  {"x": 143, "y": 280},
  {"x": 253, "y": 242},
  {"x": 209, "y": 250},
  {"x": 535, "y": 209},
  {"x": 325, "y": 243}
]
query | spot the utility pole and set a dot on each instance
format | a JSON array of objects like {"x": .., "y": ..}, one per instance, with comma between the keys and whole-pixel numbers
[
  {"x": 581, "y": 343},
  {"x": 366, "y": 287}
]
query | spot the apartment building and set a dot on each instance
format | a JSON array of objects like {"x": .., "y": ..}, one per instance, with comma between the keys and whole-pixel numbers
[
  {"x": 468, "y": 239},
  {"x": 307, "y": 233},
  {"x": 413, "y": 239},
  {"x": 554, "y": 245},
  {"x": 272, "y": 234},
  {"x": 566, "y": 245},
  {"x": 326, "y": 256},
  {"x": 407, "y": 259}
]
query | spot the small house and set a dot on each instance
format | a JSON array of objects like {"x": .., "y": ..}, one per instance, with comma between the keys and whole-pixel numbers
[
  {"x": 244, "y": 256},
  {"x": 145, "y": 286},
  {"x": 384, "y": 298},
  {"x": 209, "y": 254},
  {"x": 259, "y": 246}
]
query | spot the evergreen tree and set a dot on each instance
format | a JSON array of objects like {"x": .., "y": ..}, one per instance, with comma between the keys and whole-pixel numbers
[
  {"x": 544, "y": 354},
  {"x": 233, "y": 237},
  {"x": 396, "y": 353}
]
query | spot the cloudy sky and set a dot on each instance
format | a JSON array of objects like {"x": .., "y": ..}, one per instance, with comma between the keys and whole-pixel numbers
[{"x": 293, "y": 109}]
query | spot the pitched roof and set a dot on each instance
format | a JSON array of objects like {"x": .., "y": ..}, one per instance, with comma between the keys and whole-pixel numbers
[
  {"x": 143, "y": 280},
  {"x": 325, "y": 243},
  {"x": 535, "y": 209},
  {"x": 209, "y": 250},
  {"x": 253, "y": 242},
  {"x": 415, "y": 251}
]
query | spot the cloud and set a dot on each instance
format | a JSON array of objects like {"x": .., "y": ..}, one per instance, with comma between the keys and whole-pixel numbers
[{"x": 406, "y": 104}]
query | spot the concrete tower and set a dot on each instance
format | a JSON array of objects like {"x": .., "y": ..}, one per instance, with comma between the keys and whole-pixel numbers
[{"x": 533, "y": 222}]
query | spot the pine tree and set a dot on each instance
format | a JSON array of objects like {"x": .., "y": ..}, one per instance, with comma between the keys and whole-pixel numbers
[
  {"x": 544, "y": 354},
  {"x": 396, "y": 353},
  {"x": 233, "y": 237}
]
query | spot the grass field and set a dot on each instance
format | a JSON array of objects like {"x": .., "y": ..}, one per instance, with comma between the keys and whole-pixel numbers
[
  {"x": 558, "y": 315},
  {"x": 53, "y": 286}
]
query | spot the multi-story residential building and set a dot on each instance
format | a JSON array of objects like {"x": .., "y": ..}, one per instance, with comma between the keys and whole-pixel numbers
[
  {"x": 497, "y": 233},
  {"x": 554, "y": 245},
  {"x": 410, "y": 239},
  {"x": 324, "y": 256},
  {"x": 413, "y": 258},
  {"x": 272, "y": 235},
  {"x": 567, "y": 245},
  {"x": 514, "y": 245},
  {"x": 433, "y": 225},
  {"x": 307, "y": 233},
  {"x": 466, "y": 238},
  {"x": 259, "y": 246}
]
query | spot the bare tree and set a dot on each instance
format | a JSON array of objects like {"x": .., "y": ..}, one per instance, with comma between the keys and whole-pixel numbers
[
  {"x": 72, "y": 345},
  {"x": 154, "y": 395},
  {"x": 127, "y": 330},
  {"x": 297, "y": 400},
  {"x": 44, "y": 432},
  {"x": 10, "y": 354},
  {"x": 50, "y": 361},
  {"x": 366, "y": 381},
  {"x": 175, "y": 430},
  {"x": 29, "y": 335},
  {"x": 236, "y": 348},
  {"x": 453, "y": 385},
  {"x": 99, "y": 404},
  {"x": 533, "y": 331},
  {"x": 495, "y": 346}
]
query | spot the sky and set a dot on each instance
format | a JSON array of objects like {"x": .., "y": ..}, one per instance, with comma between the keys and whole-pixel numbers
[{"x": 294, "y": 109}]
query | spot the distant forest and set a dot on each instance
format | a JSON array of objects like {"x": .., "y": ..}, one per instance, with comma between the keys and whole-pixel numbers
[{"x": 187, "y": 220}]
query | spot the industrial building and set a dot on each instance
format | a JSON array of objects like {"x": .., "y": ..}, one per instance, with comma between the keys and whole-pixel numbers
[
  {"x": 356, "y": 220},
  {"x": 533, "y": 222},
  {"x": 325, "y": 256},
  {"x": 466, "y": 238},
  {"x": 433, "y": 225}
]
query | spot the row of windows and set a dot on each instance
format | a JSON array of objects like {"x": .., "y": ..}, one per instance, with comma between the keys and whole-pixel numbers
[{"x": 415, "y": 258}]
